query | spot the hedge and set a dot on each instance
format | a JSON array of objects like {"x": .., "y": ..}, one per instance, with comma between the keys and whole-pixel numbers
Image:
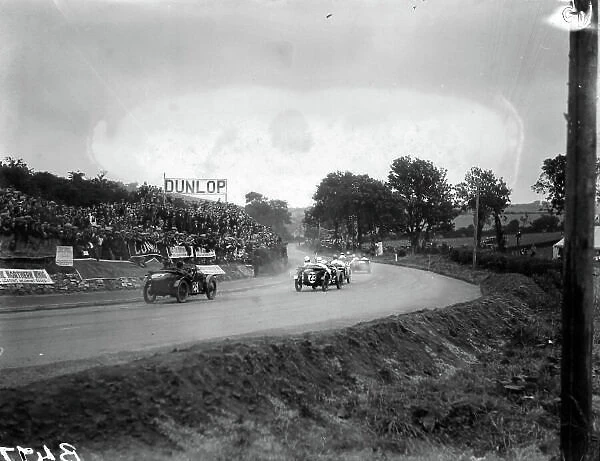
[{"x": 500, "y": 262}]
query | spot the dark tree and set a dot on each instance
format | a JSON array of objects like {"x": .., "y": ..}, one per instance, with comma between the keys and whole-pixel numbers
[
  {"x": 353, "y": 206},
  {"x": 546, "y": 223},
  {"x": 512, "y": 227},
  {"x": 273, "y": 213},
  {"x": 494, "y": 197},
  {"x": 423, "y": 195},
  {"x": 552, "y": 182}
]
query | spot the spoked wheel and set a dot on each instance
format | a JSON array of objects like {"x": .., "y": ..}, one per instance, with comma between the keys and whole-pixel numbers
[
  {"x": 298, "y": 285},
  {"x": 338, "y": 281},
  {"x": 211, "y": 289},
  {"x": 182, "y": 292},
  {"x": 149, "y": 297},
  {"x": 325, "y": 285}
]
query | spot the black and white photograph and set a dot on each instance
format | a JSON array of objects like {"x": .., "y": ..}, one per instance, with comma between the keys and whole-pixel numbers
[{"x": 290, "y": 230}]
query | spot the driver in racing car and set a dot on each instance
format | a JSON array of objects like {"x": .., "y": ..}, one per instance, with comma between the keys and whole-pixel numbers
[
  {"x": 322, "y": 264},
  {"x": 306, "y": 261},
  {"x": 336, "y": 261}
]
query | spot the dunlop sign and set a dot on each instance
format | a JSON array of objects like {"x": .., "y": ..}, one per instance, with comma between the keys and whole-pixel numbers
[
  {"x": 24, "y": 276},
  {"x": 196, "y": 186}
]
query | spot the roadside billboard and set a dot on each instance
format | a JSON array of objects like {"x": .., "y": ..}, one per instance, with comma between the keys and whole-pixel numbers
[
  {"x": 10, "y": 276},
  {"x": 207, "y": 188},
  {"x": 64, "y": 255}
]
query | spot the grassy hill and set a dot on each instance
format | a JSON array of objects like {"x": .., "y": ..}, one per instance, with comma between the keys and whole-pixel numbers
[{"x": 525, "y": 213}]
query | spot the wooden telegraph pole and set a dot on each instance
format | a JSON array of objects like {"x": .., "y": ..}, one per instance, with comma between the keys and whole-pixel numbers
[
  {"x": 475, "y": 233},
  {"x": 578, "y": 294}
]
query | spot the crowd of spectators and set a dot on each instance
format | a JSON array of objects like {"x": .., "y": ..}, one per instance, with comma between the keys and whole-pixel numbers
[{"x": 123, "y": 230}]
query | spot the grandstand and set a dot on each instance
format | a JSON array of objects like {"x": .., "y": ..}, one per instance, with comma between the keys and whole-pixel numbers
[{"x": 32, "y": 227}]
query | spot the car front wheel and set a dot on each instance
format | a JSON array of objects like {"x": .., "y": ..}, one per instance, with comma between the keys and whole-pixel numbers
[
  {"x": 182, "y": 292},
  {"x": 211, "y": 289},
  {"x": 325, "y": 285},
  {"x": 298, "y": 285},
  {"x": 149, "y": 297}
]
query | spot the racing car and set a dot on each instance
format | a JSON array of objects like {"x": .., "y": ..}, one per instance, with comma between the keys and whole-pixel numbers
[
  {"x": 315, "y": 275},
  {"x": 361, "y": 265},
  {"x": 345, "y": 270},
  {"x": 179, "y": 282}
]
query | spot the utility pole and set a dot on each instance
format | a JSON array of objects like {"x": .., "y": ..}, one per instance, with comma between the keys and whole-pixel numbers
[
  {"x": 578, "y": 290},
  {"x": 476, "y": 227}
]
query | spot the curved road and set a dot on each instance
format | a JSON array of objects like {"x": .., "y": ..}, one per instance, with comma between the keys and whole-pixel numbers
[{"x": 44, "y": 337}]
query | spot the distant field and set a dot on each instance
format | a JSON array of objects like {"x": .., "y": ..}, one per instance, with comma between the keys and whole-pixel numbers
[
  {"x": 466, "y": 220},
  {"x": 543, "y": 242}
]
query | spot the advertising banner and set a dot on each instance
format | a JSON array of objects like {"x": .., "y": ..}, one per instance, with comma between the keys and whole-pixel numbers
[
  {"x": 210, "y": 270},
  {"x": 24, "y": 276},
  {"x": 146, "y": 248},
  {"x": 193, "y": 186},
  {"x": 203, "y": 253},
  {"x": 64, "y": 255},
  {"x": 178, "y": 252}
]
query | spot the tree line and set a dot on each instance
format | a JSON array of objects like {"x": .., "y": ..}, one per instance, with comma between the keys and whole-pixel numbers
[
  {"x": 75, "y": 190},
  {"x": 417, "y": 200},
  {"x": 78, "y": 191}
]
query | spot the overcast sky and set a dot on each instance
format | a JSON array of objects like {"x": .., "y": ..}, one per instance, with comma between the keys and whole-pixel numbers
[{"x": 273, "y": 95}]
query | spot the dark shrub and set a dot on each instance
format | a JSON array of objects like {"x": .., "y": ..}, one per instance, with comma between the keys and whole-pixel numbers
[{"x": 500, "y": 262}]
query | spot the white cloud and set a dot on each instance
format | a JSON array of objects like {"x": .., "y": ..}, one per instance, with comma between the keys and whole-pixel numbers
[{"x": 230, "y": 133}]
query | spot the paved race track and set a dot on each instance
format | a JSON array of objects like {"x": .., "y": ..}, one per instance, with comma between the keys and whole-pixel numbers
[{"x": 44, "y": 337}]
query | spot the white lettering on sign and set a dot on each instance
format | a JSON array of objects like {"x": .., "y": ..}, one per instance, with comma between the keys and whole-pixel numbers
[
  {"x": 178, "y": 252},
  {"x": 67, "y": 453},
  {"x": 202, "y": 253},
  {"x": 40, "y": 276},
  {"x": 196, "y": 186},
  {"x": 64, "y": 255},
  {"x": 210, "y": 269}
]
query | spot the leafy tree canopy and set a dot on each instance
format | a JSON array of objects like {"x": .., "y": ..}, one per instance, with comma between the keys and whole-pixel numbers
[
  {"x": 423, "y": 194},
  {"x": 352, "y": 205},
  {"x": 494, "y": 197},
  {"x": 551, "y": 182},
  {"x": 273, "y": 213},
  {"x": 75, "y": 190}
]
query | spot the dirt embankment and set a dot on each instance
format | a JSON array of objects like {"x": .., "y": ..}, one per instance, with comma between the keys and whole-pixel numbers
[{"x": 481, "y": 375}]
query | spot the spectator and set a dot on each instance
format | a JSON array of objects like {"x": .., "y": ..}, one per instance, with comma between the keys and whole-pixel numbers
[{"x": 121, "y": 230}]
